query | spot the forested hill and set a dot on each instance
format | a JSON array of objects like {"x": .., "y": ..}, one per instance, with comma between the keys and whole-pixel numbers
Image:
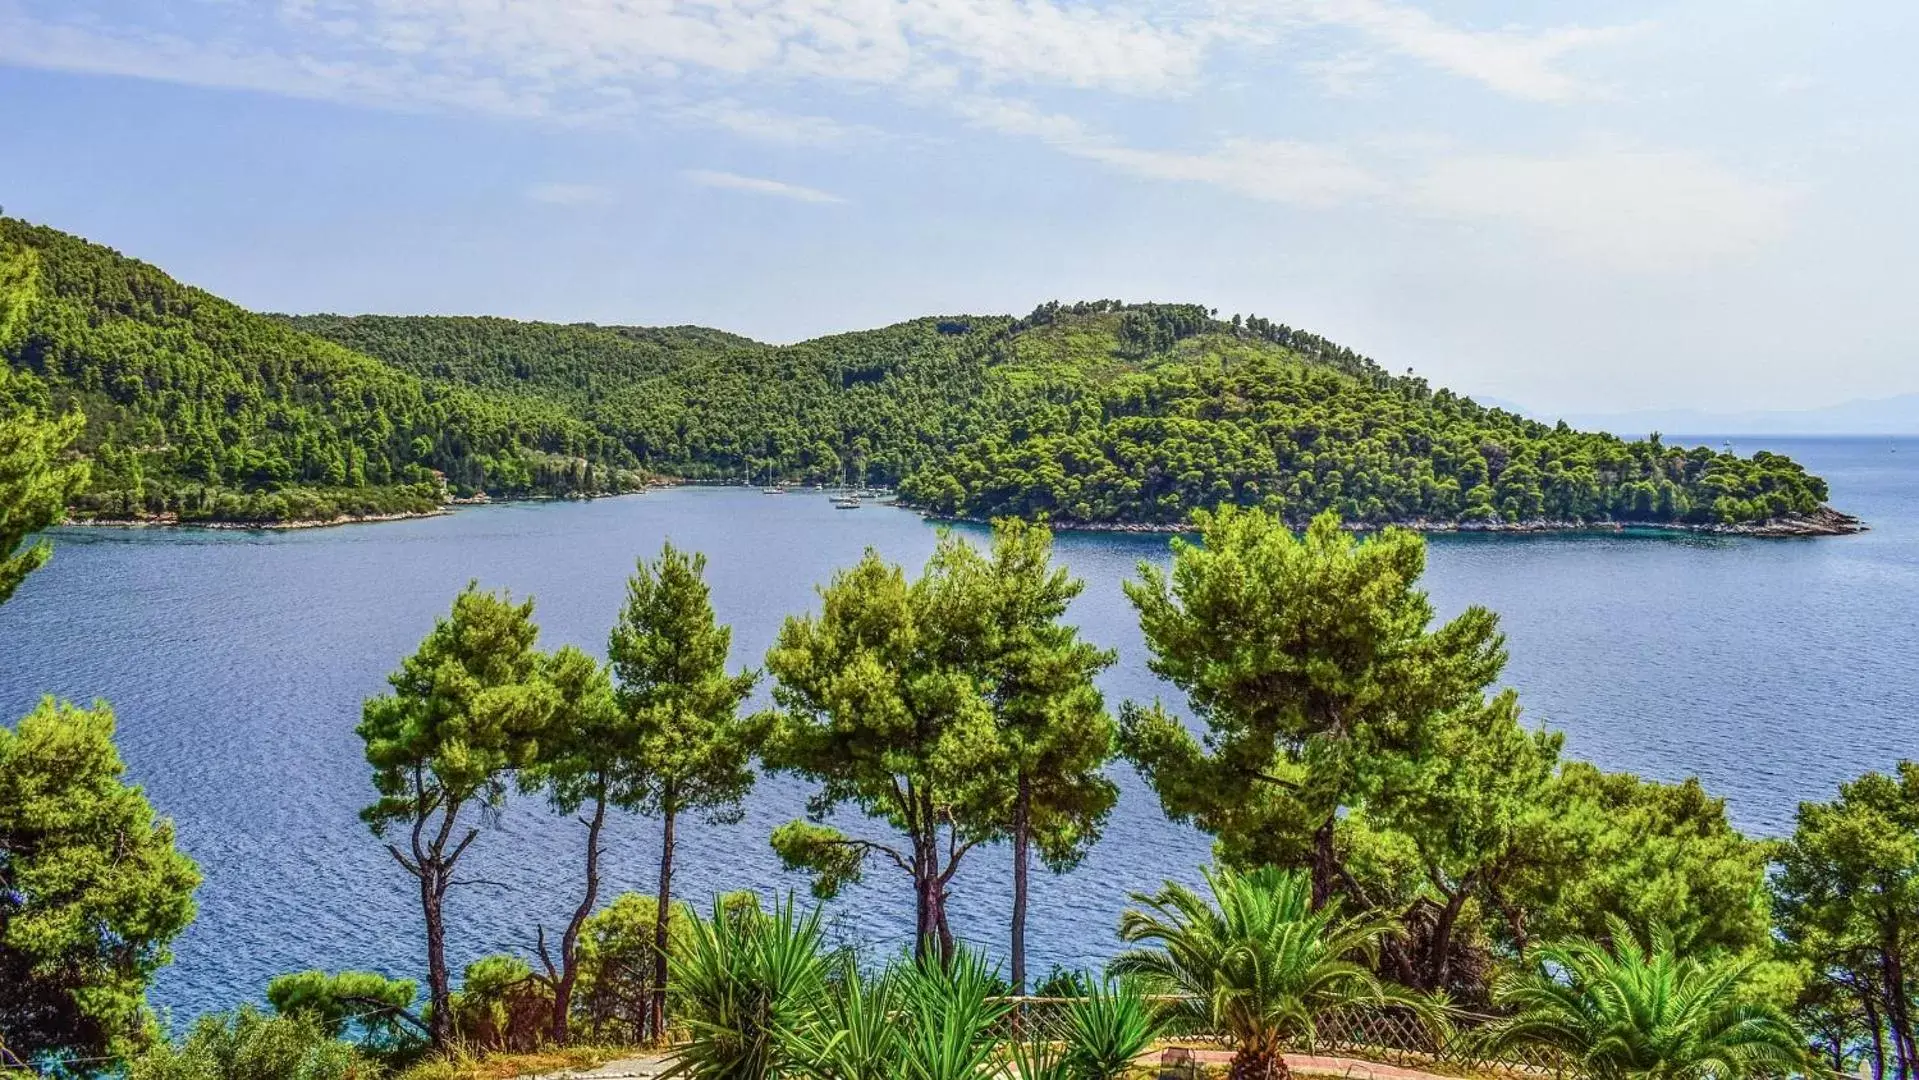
[
  {"x": 1095, "y": 413},
  {"x": 1090, "y": 413},
  {"x": 200, "y": 409}
]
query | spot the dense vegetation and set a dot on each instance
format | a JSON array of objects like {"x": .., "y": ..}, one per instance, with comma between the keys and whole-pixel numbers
[
  {"x": 1089, "y": 413},
  {"x": 1096, "y": 412},
  {"x": 1390, "y": 837},
  {"x": 198, "y": 408}
]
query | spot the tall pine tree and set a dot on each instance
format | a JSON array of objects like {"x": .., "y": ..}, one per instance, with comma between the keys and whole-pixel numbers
[{"x": 692, "y": 750}]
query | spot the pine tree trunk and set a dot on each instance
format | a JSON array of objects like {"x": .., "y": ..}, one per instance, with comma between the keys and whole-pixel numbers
[
  {"x": 569, "y": 942},
  {"x": 1323, "y": 864},
  {"x": 1878, "y": 1029},
  {"x": 662, "y": 920},
  {"x": 1892, "y": 971},
  {"x": 1256, "y": 1064},
  {"x": 439, "y": 984},
  {"x": 1022, "y": 827},
  {"x": 1442, "y": 941}
]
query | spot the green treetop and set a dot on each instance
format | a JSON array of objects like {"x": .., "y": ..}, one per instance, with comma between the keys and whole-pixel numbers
[
  {"x": 1312, "y": 664},
  {"x": 92, "y": 891},
  {"x": 691, "y": 750},
  {"x": 1055, "y": 732},
  {"x": 465, "y": 711},
  {"x": 879, "y": 704},
  {"x": 35, "y": 484}
]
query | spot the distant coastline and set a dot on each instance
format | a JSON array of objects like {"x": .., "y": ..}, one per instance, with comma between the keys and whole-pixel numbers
[{"x": 1827, "y": 522}]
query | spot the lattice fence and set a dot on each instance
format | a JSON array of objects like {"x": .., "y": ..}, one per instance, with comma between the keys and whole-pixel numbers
[
  {"x": 1397, "y": 1037},
  {"x": 1384, "y": 1035}
]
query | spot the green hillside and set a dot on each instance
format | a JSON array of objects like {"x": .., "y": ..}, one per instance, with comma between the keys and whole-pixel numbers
[
  {"x": 198, "y": 408},
  {"x": 1094, "y": 413}
]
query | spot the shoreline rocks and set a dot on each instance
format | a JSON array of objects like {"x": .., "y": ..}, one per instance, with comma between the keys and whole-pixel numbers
[{"x": 1824, "y": 522}]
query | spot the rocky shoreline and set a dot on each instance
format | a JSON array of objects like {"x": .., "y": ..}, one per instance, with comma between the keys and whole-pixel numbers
[
  {"x": 1824, "y": 522},
  {"x": 172, "y": 521}
]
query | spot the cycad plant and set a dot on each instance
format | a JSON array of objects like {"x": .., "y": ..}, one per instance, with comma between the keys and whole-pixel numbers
[
  {"x": 746, "y": 981},
  {"x": 1624, "y": 1009},
  {"x": 1252, "y": 960}
]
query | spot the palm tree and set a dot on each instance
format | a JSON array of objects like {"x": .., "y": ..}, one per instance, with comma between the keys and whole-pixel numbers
[
  {"x": 1623, "y": 1009},
  {"x": 1255, "y": 962}
]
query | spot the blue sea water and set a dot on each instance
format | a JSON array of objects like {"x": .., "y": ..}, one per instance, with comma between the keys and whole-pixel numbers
[{"x": 236, "y": 662}]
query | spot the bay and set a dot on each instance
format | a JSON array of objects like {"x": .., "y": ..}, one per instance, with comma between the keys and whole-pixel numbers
[{"x": 237, "y": 661}]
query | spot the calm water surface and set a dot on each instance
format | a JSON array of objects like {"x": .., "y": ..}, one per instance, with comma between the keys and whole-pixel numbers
[{"x": 237, "y": 663}]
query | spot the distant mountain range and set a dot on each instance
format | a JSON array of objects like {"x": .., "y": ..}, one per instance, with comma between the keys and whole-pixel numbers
[{"x": 1881, "y": 416}]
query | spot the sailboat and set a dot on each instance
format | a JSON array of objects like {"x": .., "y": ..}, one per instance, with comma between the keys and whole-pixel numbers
[
  {"x": 773, "y": 487},
  {"x": 847, "y": 499}
]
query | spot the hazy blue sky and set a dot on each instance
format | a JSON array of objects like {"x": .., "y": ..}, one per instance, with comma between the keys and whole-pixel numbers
[{"x": 1579, "y": 206}]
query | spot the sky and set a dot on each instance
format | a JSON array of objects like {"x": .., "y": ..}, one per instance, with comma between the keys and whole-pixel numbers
[{"x": 1578, "y": 206}]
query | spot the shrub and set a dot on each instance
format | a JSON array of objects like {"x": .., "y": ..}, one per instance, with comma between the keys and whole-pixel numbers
[{"x": 248, "y": 1045}]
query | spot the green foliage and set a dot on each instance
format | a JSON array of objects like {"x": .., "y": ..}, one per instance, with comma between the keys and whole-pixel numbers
[
  {"x": 1140, "y": 416},
  {"x": 1847, "y": 904},
  {"x": 35, "y": 484},
  {"x": 92, "y": 891},
  {"x": 682, "y": 745},
  {"x": 1253, "y": 959},
  {"x": 249, "y": 1046},
  {"x": 1055, "y": 734},
  {"x": 466, "y": 709},
  {"x": 1348, "y": 735},
  {"x": 1310, "y": 662},
  {"x": 501, "y": 1006},
  {"x": 199, "y": 409},
  {"x": 617, "y": 960},
  {"x": 693, "y": 751},
  {"x": 951, "y": 1011},
  {"x": 1622, "y": 1009},
  {"x": 856, "y": 1032},
  {"x": 363, "y": 1006},
  {"x": 743, "y": 985},
  {"x": 880, "y": 705},
  {"x": 1324, "y": 690},
  {"x": 1093, "y": 412},
  {"x": 1109, "y": 1024},
  {"x": 1621, "y": 847}
]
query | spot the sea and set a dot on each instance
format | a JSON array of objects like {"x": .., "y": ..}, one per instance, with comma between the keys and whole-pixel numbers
[{"x": 237, "y": 662}]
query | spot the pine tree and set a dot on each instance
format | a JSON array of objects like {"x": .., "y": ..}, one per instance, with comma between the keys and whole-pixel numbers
[
  {"x": 465, "y": 711},
  {"x": 692, "y": 750}
]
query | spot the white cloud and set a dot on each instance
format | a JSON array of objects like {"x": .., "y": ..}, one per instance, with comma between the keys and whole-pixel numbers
[
  {"x": 787, "y": 129},
  {"x": 561, "y": 194},
  {"x": 1522, "y": 63},
  {"x": 1273, "y": 170},
  {"x": 858, "y": 41},
  {"x": 755, "y": 185},
  {"x": 1628, "y": 208}
]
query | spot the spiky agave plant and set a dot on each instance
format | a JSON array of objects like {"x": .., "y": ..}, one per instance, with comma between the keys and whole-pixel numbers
[
  {"x": 854, "y": 1033},
  {"x": 1107, "y": 1026},
  {"x": 1630, "y": 1009},
  {"x": 951, "y": 1013},
  {"x": 1035, "y": 1056},
  {"x": 1253, "y": 961},
  {"x": 745, "y": 981}
]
